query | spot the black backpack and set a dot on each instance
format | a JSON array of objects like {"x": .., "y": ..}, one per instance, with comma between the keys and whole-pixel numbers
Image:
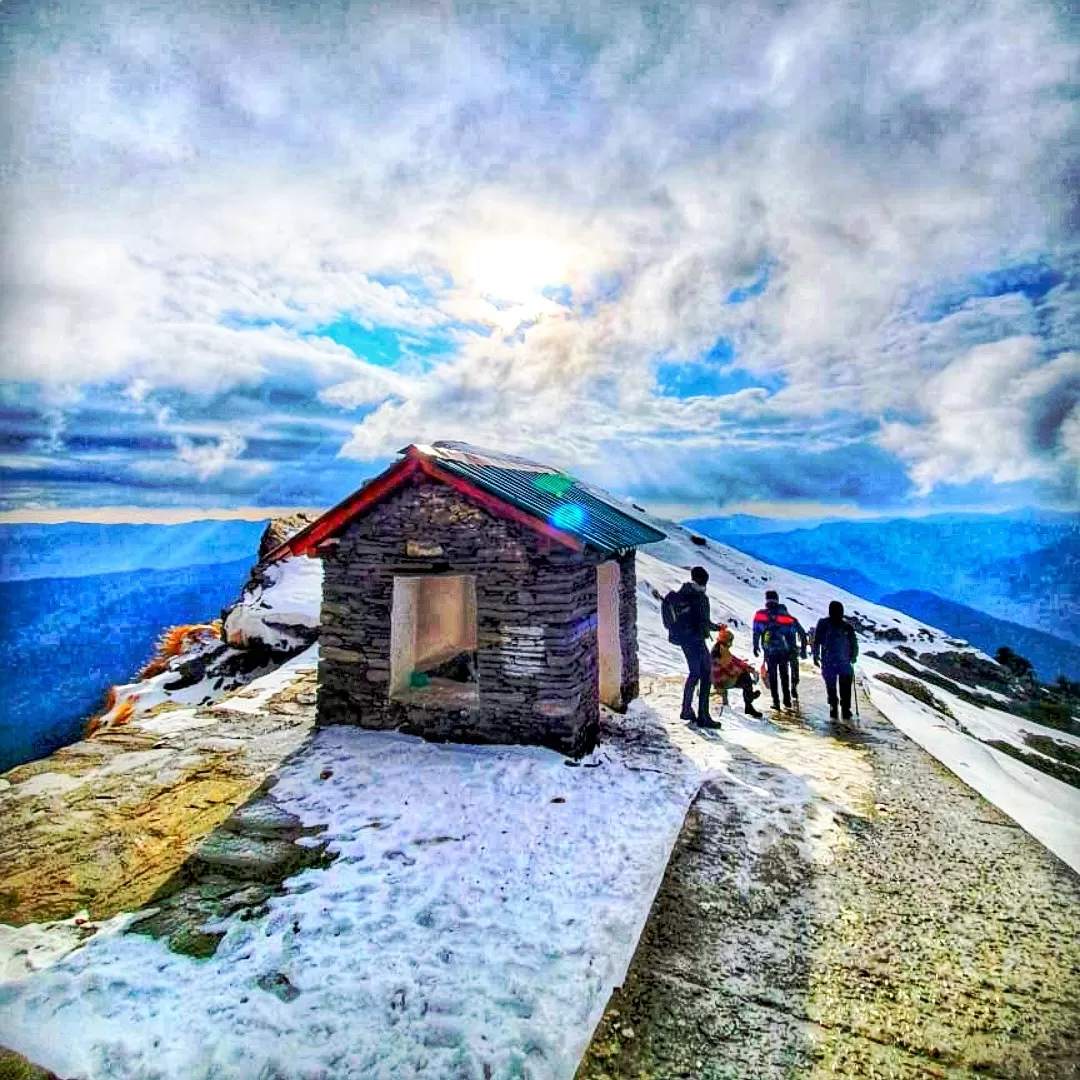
[
  {"x": 777, "y": 640},
  {"x": 674, "y": 609}
]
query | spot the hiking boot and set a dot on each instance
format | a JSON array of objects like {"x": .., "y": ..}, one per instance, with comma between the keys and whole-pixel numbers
[
  {"x": 847, "y": 718},
  {"x": 795, "y": 696},
  {"x": 686, "y": 714},
  {"x": 787, "y": 703},
  {"x": 776, "y": 704},
  {"x": 834, "y": 713},
  {"x": 751, "y": 711},
  {"x": 708, "y": 722}
]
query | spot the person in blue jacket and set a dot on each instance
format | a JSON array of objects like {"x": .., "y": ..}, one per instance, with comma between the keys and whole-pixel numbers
[{"x": 836, "y": 648}]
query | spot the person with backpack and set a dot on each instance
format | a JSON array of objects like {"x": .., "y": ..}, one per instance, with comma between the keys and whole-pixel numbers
[
  {"x": 729, "y": 672},
  {"x": 797, "y": 651},
  {"x": 688, "y": 622},
  {"x": 774, "y": 634},
  {"x": 836, "y": 648}
]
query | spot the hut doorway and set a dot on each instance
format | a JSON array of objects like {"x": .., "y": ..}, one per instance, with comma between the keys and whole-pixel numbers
[
  {"x": 433, "y": 641},
  {"x": 609, "y": 638}
]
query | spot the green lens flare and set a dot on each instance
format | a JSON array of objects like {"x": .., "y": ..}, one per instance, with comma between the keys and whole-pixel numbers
[{"x": 553, "y": 483}]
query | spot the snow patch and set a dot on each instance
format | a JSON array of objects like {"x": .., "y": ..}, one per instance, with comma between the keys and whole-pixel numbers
[
  {"x": 284, "y": 595},
  {"x": 25, "y": 950},
  {"x": 253, "y": 698},
  {"x": 484, "y": 903},
  {"x": 172, "y": 723}
]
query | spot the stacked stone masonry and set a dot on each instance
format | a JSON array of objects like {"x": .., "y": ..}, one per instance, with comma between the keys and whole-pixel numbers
[{"x": 536, "y": 607}]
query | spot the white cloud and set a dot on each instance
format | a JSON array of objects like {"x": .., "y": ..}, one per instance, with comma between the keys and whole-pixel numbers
[
  {"x": 202, "y": 461},
  {"x": 209, "y": 460},
  {"x": 175, "y": 172},
  {"x": 982, "y": 419}
]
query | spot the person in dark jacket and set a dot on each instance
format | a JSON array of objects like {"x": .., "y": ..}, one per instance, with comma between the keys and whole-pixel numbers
[
  {"x": 836, "y": 648},
  {"x": 690, "y": 631},
  {"x": 797, "y": 651},
  {"x": 774, "y": 633}
]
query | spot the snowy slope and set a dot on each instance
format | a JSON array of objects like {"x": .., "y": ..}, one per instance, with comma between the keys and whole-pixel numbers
[
  {"x": 276, "y": 617},
  {"x": 280, "y": 606},
  {"x": 737, "y": 587},
  {"x": 1047, "y": 808}
]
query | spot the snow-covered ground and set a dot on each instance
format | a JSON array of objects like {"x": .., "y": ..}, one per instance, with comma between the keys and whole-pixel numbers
[
  {"x": 284, "y": 597},
  {"x": 484, "y": 900},
  {"x": 484, "y": 903}
]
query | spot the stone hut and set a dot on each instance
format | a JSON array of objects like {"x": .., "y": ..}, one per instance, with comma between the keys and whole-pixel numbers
[{"x": 471, "y": 596}]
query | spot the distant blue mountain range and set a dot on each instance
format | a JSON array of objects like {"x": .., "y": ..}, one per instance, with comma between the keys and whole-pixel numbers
[
  {"x": 64, "y": 641},
  {"x": 1009, "y": 579},
  {"x": 80, "y": 550},
  {"x": 82, "y": 606}
]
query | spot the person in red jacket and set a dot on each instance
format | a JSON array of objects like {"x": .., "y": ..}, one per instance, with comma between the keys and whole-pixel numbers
[
  {"x": 729, "y": 671},
  {"x": 775, "y": 635}
]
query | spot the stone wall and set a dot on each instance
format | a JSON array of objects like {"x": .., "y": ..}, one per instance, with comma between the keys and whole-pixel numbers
[
  {"x": 628, "y": 626},
  {"x": 537, "y": 661}
]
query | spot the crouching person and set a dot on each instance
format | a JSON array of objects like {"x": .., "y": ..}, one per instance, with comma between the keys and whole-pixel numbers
[
  {"x": 836, "y": 648},
  {"x": 729, "y": 672}
]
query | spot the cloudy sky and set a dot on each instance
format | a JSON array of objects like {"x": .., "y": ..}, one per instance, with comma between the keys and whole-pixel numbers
[{"x": 807, "y": 253}]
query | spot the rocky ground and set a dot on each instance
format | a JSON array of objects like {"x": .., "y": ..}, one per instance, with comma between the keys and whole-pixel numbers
[
  {"x": 105, "y": 824},
  {"x": 929, "y": 937}
]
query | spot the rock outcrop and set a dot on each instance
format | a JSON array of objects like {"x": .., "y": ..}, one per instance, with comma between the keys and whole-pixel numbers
[
  {"x": 275, "y": 617},
  {"x": 280, "y": 529},
  {"x": 102, "y": 825}
]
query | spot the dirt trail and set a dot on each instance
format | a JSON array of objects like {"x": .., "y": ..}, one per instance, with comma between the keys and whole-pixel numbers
[{"x": 847, "y": 908}]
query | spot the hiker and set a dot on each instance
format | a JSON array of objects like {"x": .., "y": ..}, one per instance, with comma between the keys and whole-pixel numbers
[
  {"x": 797, "y": 651},
  {"x": 729, "y": 671},
  {"x": 687, "y": 619},
  {"x": 836, "y": 649},
  {"x": 774, "y": 634}
]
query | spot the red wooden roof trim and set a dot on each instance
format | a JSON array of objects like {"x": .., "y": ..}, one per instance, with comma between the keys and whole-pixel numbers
[
  {"x": 494, "y": 505},
  {"x": 307, "y": 539},
  {"x": 304, "y": 542}
]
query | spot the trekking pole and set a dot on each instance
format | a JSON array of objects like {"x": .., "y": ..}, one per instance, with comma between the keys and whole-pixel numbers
[{"x": 855, "y": 692}]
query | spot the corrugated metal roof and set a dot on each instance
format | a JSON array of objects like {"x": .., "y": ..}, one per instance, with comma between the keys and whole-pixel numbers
[{"x": 591, "y": 515}]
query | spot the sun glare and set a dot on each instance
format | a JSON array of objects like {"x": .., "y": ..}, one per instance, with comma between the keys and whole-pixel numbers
[{"x": 515, "y": 268}]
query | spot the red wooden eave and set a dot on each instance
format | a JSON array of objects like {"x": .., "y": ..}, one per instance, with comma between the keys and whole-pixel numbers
[
  {"x": 304, "y": 542},
  {"x": 307, "y": 539}
]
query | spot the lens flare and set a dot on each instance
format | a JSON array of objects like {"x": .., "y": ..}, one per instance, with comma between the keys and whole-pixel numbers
[
  {"x": 553, "y": 483},
  {"x": 569, "y": 516}
]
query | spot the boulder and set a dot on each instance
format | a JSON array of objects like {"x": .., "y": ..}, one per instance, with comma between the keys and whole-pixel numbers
[
  {"x": 266, "y": 820},
  {"x": 250, "y": 857},
  {"x": 281, "y": 528}
]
